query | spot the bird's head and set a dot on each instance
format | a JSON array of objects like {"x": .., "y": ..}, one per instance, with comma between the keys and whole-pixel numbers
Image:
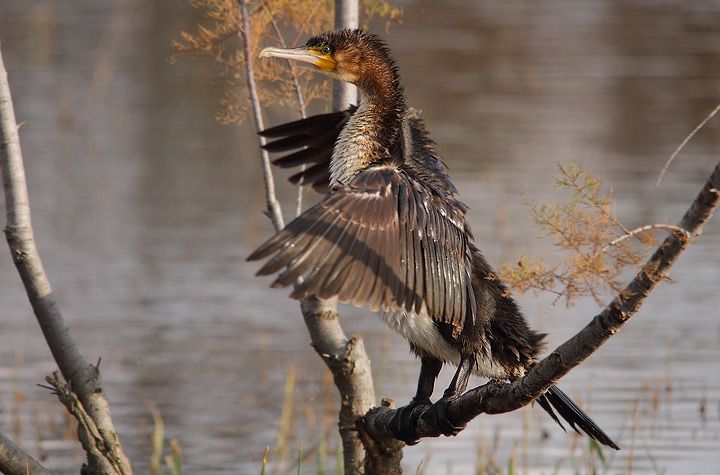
[{"x": 352, "y": 56}]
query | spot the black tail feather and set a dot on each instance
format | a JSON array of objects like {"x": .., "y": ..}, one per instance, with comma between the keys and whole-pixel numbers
[
  {"x": 568, "y": 410},
  {"x": 545, "y": 404}
]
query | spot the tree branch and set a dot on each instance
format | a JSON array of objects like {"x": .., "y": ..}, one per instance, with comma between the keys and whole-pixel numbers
[
  {"x": 14, "y": 460},
  {"x": 350, "y": 366},
  {"x": 300, "y": 101},
  {"x": 496, "y": 398},
  {"x": 273, "y": 206},
  {"x": 84, "y": 379},
  {"x": 346, "y": 358},
  {"x": 648, "y": 227}
]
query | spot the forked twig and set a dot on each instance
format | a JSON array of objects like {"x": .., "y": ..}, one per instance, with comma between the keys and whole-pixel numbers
[{"x": 682, "y": 144}]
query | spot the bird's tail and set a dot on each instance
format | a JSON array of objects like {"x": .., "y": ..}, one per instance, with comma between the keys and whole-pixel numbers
[{"x": 555, "y": 398}]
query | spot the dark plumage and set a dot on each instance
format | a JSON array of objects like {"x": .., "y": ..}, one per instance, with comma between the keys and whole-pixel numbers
[{"x": 392, "y": 234}]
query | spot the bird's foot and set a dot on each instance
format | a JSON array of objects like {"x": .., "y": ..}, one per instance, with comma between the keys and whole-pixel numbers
[
  {"x": 403, "y": 425},
  {"x": 440, "y": 418}
]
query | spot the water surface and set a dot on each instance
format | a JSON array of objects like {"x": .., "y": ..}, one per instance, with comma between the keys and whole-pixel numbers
[{"x": 144, "y": 209}]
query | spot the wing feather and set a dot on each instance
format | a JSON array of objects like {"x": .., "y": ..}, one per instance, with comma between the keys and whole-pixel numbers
[
  {"x": 386, "y": 240},
  {"x": 305, "y": 156},
  {"x": 310, "y": 125},
  {"x": 308, "y": 259},
  {"x": 315, "y": 136},
  {"x": 364, "y": 281},
  {"x": 430, "y": 268},
  {"x": 329, "y": 252}
]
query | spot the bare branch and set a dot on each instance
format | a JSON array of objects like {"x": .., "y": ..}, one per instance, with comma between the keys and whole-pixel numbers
[
  {"x": 350, "y": 366},
  {"x": 300, "y": 101},
  {"x": 682, "y": 144},
  {"x": 273, "y": 206},
  {"x": 665, "y": 227},
  {"x": 82, "y": 376},
  {"x": 346, "y": 358},
  {"x": 495, "y": 398},
  {"x": 14, "y": 460},
  {"x": 346, "y": 16},
  {"x": 91, "y": 436}
]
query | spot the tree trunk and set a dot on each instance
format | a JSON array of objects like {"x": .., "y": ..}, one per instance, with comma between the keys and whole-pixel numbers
[{"x": 96, "y": 432}]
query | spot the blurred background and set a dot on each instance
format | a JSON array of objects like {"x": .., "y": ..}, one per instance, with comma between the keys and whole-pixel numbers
[{"x": 144, "y": 209}]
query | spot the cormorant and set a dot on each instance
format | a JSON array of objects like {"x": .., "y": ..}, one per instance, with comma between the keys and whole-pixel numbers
[{"x": 392, "y": 234}]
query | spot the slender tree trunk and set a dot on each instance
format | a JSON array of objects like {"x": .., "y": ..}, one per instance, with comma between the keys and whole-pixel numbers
[
  {"x": 273, "y": 206},
  {"x": 350, "y": 366},
  {"x": 346, "y": 358},
  {"x": 96, "y": 432},
  {"x": 346, "y": 16}
]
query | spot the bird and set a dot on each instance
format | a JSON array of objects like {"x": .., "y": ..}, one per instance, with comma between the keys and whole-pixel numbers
[{"x": 392, "y": 234}]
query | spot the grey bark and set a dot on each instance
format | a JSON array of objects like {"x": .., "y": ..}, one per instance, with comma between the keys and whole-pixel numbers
[
  {"x": 273, "y": 206},
  {"x": 350, "y": 366},
  {"x": 14, "y": 460},
  {"x": 346, "y": 16},
  {"x": 346, "y": 358},
  {"x": 496, "y": 398},
  {"x": 105, "y": 455}
]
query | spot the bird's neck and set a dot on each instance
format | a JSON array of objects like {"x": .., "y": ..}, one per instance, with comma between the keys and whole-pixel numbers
[{"x": 369, "y": 135}]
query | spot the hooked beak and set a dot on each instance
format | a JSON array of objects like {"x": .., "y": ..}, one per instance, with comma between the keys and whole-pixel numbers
[{"x": 302, "y": 54}]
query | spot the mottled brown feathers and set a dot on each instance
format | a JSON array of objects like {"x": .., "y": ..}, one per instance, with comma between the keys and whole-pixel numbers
[
  {"x": 381, "y": 240},
  {"x": 391, "y": 233}
]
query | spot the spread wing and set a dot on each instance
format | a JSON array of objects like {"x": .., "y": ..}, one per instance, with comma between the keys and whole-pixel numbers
[
  {"x": 385, "y": 239},
  {"x": 315, "y": 136}
]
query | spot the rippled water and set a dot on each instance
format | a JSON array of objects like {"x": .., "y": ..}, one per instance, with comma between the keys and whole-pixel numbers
[{"x": 144, "y": 209}]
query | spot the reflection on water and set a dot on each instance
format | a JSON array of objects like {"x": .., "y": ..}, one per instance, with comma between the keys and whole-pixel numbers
[{"x": 144, "y": 209}]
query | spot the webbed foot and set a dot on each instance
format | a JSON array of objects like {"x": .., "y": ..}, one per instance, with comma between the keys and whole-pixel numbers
[
  {"x": 440, "y": 418},
  {"x": 404, "y": 422}
]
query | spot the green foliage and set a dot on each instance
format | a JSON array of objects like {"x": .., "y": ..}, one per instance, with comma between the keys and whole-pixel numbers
[{"x": 173, "y": 460}]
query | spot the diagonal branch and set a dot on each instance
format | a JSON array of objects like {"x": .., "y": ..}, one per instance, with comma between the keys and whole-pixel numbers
[
  {"x": 14, "y": 460},
  {"x": 83, "y": 377},
  {"x": 496, "y": 398}
]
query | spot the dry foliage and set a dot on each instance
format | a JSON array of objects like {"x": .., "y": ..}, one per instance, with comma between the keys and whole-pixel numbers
[
  {"x": 597, "y": 248},
  {"x": 272, "y": 22}
]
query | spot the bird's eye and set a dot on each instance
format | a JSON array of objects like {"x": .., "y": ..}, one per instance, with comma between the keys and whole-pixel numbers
[{"x": 326, "y": 50}]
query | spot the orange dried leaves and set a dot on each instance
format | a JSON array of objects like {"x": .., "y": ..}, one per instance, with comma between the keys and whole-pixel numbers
[{"x": 597, "y": 248}]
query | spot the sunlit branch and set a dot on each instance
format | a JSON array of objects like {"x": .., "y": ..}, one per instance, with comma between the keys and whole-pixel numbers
[
  {"x": 665, "y": 227},
  {"x": 684, "y": 142},
  {"x": 495, "y": 398},
  {"x": 273, "y": 210},
  {"x": 300, "y": 101},
  {"x": 104, "y": 455}
]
